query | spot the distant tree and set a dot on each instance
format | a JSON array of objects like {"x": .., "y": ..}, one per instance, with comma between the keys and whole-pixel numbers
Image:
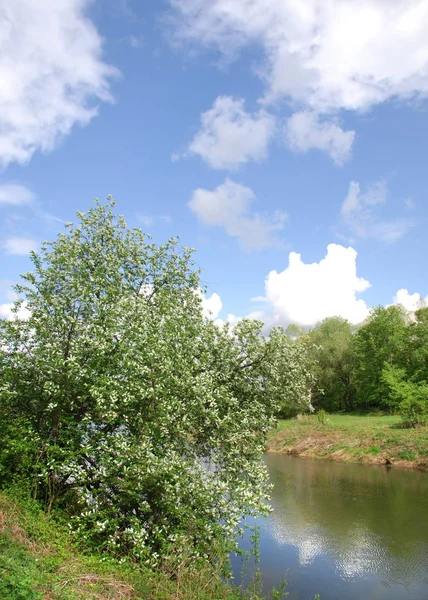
[
  {"x": 332, "y": 364},
  {"x": 410, "y": 397},
  {"x": 416, "y": 356},
  {"x": 408, "y": 384},
  {"x": 295, "y": 332},
  {"x": 381, "y": 341}
]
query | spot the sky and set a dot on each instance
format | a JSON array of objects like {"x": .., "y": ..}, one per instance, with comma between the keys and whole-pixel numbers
[{"x": 285, "y": 141}]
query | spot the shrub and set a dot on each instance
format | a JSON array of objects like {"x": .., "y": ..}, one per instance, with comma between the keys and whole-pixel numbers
[{"x": 411, "y": 397}]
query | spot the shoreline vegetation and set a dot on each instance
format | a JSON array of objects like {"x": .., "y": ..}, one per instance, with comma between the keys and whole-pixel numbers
[
  {"x": 38, "y": 561},
  {"x": 375, "y": 440}
]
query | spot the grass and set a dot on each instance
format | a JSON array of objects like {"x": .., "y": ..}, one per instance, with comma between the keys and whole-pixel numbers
[
  {"x": 374, "y": 439},
  {"x": 38, "y": 562}
]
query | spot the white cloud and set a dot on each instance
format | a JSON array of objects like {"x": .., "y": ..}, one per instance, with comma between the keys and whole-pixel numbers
[
  {"x": 358, "y": 213},
  {"x": 211, "y": 305},
  {"x": 146, "y": 220},
  {"x": 304, "y": 130},
  {"x": 136, "y": 41},
  {"x": 325, "y": 55},
  {"x": 228, "y": 207},
  {"x": 19, "y": 245},
  {"x": 150, "y": 220},
  {"x": 232, "y": 319},
  {"x": 307, "y": 293},
  {"x": 230, "y": 136},
  {"x": 51, "y": 74},
  {"x": 411, "y": 302},
  {"x": 13, "y": 194},
  {"x": 6, "y": 309},
  {"x": 7, "y": 313}
]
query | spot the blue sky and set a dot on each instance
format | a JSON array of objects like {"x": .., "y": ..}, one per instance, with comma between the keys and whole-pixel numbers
[{"x": 256, "y": 132}]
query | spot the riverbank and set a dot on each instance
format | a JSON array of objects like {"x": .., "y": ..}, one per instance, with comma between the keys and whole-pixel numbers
[
  {"x": 367, "y": 439},
  {"x": 37, "y": 562}
]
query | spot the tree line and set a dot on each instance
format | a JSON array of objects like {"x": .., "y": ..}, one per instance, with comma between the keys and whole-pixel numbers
[{"x": 381, "y": 364}]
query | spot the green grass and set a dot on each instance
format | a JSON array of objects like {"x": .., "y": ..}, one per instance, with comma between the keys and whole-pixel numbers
[
  {"x": 348, "y": 421},
  {"x": 38, "y": 562},
  {"x": 376, "y": 439}
]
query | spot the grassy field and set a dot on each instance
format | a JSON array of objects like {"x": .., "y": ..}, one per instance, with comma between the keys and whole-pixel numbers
[
  {"x": 368, "y": 439},
  {"x": 37, "y": 562}
]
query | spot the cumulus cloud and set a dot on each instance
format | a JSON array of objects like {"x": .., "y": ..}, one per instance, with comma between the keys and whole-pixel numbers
[
  {"x": 320, "y": 56},
  {"x": 228, "y": 207},
  {"x": 19, "y": 245},
  {"x": 51, "y": 74},
  {"x": 359, "y": 216},
  {"x": 230, "y": 136},
  {"x": 304, "y": 130},
  {"x": 6, "y": 311},
  {"x": 332, "y": 55},
  {"x": 307, "y": 293},
  {"x": 211, "y": 305},
  {"x": 12, "y": 194},
  {"x": 411, "y": 302}
]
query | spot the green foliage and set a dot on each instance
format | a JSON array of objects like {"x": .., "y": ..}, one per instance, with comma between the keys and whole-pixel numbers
[
  {"x": 381, "y": 365},
  {"x": 121, "y": 403},
  {"x": 407, "y": 455},
  {"x": 333, "y": 363},
  {"x": 416, "y": 363},
  {"x": 379, "y": 342},
  {"x": 18, "y": 574},
  {"x": 290, "y": 378},
  {"x": 295, "y": 332},
  {"x": 38, "y": 561},
  {"x": 410, "y": 397},
  {"x": 18, "y": 447},
  {"x": 322, "y": 416}
]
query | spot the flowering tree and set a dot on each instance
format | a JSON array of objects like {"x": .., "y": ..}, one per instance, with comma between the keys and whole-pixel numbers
[{"x": 121, "y": 403}]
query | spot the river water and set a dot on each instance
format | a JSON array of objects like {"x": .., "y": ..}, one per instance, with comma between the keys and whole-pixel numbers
[{"x": 344, "y": 531}]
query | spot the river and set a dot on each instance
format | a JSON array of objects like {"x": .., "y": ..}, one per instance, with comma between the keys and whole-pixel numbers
[{"x": 344, "y": 531}]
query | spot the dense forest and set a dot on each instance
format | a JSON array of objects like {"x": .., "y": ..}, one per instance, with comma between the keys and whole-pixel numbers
[{"x": 381, "y": 364}]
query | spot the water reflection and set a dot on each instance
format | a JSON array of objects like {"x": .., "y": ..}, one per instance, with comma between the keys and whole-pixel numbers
[{"x": 346, "y": 530}]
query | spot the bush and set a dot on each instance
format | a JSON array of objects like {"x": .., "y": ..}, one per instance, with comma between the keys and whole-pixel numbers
[
  {"x": 411, "y": 398},
  {"x": 414, "y": 406}
]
